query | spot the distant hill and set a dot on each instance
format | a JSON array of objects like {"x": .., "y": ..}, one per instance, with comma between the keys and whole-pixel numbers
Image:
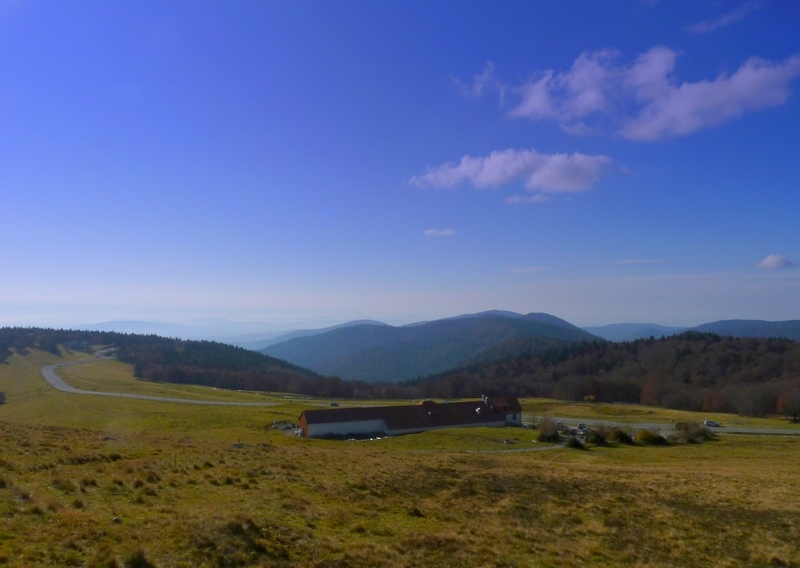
[
  {"x": 633, "y": 331},
  {"x": 734, "y": 328},
  {"x": 266, "y": 342},
  {"x": 383, "y": 353},
  {"x": 171, "y": 360},
  {"x": 789, "y": 329},
  {"x": 142, "y": 327}
]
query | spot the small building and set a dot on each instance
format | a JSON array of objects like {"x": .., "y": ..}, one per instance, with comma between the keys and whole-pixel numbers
[{"x": 411, "y": 418}]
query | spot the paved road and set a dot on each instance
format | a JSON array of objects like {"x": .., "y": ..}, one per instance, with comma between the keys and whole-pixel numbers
[
  {"x": 571, "y": 422},
  {"x": 49, "y": 374}
]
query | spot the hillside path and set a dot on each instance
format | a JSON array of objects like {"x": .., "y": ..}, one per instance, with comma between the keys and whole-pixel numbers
[{"x": 49, "y": 374}]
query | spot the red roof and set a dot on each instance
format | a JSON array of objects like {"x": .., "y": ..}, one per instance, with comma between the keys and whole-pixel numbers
[{"x": 505, "y": 404}]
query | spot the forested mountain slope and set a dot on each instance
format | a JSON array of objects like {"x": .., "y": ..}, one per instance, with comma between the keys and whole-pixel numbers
[
  {"x": 789, "y": 329},
  {"x": 692, "y": 371},
  {"x": 381, "y": 353},
  {"x": 172, "y": 360}
]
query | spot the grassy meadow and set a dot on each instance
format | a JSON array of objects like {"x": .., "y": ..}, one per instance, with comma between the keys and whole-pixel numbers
[{"x": 95, "y": 481}]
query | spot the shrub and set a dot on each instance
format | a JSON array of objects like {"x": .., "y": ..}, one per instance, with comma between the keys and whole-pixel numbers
[
  {"x": 692, "y": 433},
  {"x": 622, "y": 437},
  {"x": 548, "y": 431},
  {"x": 575, "y": 443},
  {"x": 602, "y": 435},
  {"x": 597, "y": 437},
  {"x": 650, "y": 438},
  {"x": 138, "y": 559}
]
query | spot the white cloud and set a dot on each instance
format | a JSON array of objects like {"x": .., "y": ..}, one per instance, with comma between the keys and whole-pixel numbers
[
  {"x": 645, "y": 97},
  {"x": 571, "y": 95},
  {"x": 544, "y": 173},
  {"x": 481, "y": 82},
  {"x": 674, "y": 110},
  {"x": 440, "y": 233},
  {"x": 724, "y": 20},
  {"x": 537, "y": 101},
  {"x": 774, "y": 262}
]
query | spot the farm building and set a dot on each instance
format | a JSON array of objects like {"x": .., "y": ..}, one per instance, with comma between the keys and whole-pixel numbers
[{"x": 409, "y": 419}]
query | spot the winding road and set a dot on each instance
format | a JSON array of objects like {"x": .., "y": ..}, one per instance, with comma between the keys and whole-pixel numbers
[{"x": 49, "y": 374}]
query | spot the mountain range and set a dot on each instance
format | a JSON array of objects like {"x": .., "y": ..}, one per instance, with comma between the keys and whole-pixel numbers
[
  {"x": 377, "y": 352},
  {"x": 373, "y": 351},
  {"x": 380, "y": 352},
  {"x": 789, "y": 329}
]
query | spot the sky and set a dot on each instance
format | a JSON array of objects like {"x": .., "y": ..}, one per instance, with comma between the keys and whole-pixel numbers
[{"x": 301, "y": 164}]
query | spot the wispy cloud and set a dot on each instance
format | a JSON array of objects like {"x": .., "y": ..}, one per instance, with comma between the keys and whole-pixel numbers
[
  {"x": 644, "y": 101},
  {"x": 440, "y": 233},
  {"x": 724, "y": 20},
  {"x": 775, "y": 262},
  {"x": 525, "y": 269},
  {"x": 577, "y": 93},
  {"x": 525, "y": 199},
  {"x": 541, "y": 173},
  {"x": 481, "y": 82},
  {"x": 673, "y": 110}
]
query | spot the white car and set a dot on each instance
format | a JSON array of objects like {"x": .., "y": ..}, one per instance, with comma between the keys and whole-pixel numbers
[{"x": 712, "y": 424}]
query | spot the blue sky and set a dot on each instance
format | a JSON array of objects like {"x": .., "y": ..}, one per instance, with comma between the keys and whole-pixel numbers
[{"x": 301, "y": 164}]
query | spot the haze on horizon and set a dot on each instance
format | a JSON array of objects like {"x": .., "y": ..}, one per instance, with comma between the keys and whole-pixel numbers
[{"x": 306, "y": 164}]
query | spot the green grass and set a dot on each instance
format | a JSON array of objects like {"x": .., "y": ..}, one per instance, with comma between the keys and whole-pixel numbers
[
  {"x": 633, "y": 413},
  {"x": 111, "y": 375},
  {"x": 89, "y": 481}
]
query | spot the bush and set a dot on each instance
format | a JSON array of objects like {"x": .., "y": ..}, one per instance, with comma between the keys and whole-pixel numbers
[
  {"x": 692, "y": 433},
  {"x": 650, "y": 438},
  {"x": 575, "y": 443},
  {"x": 138, "y": 559},
  {"x": 602, "y": 435},
  {"x": 622, "y": 437},
  {"x": 597, "y": 437},
  {"x": 548, "y": 431}
]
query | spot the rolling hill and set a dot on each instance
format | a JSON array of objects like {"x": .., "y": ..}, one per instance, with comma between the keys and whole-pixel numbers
[
  {"x": 263, "y": 343},
  {"x": 789, "y": 329},
  {"x": 383, "y": 353},
  {"x": 633, "y": 331}
]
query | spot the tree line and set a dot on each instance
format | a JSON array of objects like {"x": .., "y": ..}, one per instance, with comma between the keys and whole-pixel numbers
[{"x": 690, "y": 371}]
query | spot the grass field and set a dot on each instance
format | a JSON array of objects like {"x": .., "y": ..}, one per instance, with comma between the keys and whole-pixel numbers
[
  {"x": 89, "y": 481},
  {"x": 632, "y": 413}
]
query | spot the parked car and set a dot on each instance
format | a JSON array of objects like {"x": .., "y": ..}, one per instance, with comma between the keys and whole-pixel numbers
[{"x": 712, "y": 424}]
